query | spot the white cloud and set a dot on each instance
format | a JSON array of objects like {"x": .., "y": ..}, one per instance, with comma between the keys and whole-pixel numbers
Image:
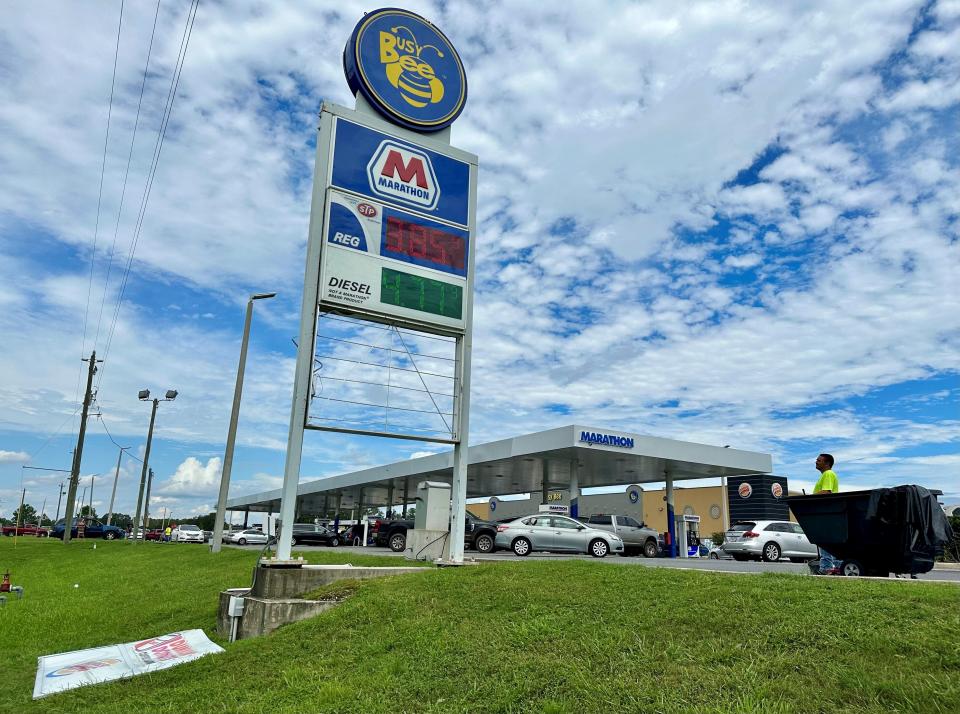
[
  {"x": 627, "y": 123},
  {"x": 193, "y": 478},
  {"x": 13, "y": 457}
]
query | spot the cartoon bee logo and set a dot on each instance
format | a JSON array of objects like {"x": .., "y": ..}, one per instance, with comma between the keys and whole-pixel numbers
[{"x": 406, "y": 68}]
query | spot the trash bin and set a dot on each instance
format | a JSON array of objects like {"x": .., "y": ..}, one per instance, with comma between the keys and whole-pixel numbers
[{"x": 876, "y": 532}]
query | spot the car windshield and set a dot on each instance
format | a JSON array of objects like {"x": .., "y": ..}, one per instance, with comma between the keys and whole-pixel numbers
[
  {"x": 741, "y": 527},
  {"x": 189, "y": 528}
]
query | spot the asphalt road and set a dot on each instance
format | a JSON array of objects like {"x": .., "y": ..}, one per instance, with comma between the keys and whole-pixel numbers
[{"x": 723, "y": 566}]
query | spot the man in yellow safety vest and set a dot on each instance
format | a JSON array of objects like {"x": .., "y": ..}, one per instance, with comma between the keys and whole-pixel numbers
[{"x": 827, "y": 483}]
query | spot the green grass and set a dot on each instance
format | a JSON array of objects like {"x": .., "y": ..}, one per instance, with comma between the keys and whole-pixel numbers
[{"x": 532, "y": 636}]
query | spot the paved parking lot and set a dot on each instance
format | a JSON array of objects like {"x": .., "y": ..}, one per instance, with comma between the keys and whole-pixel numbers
[{"x": 726, "y": 566}]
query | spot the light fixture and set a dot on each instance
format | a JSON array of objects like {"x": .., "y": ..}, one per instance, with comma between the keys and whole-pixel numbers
[
  {"x": 171, "y": 394},
  {"x": 262, "y": 296},
  {"x": 144, "y": 394}
]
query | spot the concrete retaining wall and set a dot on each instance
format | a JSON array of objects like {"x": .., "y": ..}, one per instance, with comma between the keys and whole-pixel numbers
[{"x": 273, "y": 601}]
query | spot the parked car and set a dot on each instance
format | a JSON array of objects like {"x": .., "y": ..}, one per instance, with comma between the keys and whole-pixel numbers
[
  {"x": 555, "y": 533},
  {"x": 250, "y": 535},
  {"x": 25, "y": 529},
  {"x": 353, "y": 535},
  {"x": 718, "y": 552},
  {"x": 478, "y": 534},
  {"x": 637, "y": 537},
  {"x": 308, "y": 534},
  {"x": 92, "y": 528},
  {"x": 154, "y": 534},
  {"x": 187, "y": 533},
  {"x": 768, "y": 540}
]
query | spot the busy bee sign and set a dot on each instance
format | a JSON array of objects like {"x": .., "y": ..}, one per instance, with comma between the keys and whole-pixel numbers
[{"x": 407, "y": 69}]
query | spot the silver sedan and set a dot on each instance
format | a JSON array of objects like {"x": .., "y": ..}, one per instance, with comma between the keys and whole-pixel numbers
[
  {"x": 250, "y": 535},
  {"x": 549, "y": 532}
]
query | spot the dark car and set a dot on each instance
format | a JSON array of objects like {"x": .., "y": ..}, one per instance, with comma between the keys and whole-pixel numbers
[
  {"x": 477, "y": 534},
  {"x": 305, "y": 534},
  {"x": 92, "y": 528}
]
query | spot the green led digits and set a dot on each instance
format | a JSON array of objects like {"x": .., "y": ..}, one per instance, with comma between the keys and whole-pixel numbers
[{"x": 423, "y": 294}]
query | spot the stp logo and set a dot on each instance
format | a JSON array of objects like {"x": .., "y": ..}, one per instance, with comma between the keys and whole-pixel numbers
[
  {"x": 366, "y": 209},
  {"x": 403, "y": 174}
]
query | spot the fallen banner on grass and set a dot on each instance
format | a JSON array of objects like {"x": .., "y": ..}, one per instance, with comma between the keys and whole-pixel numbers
[{"x": 59, "y": 672}]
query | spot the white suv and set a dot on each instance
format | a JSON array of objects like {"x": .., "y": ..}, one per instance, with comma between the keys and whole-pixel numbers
[{"x": 768, "y": 540}]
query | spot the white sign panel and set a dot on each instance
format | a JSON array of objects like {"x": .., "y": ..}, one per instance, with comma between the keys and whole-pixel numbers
[{"x": 59, "y": 672}]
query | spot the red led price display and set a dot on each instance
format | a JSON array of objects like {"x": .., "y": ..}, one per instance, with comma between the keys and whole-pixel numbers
[{"x": 424, "y": 245}]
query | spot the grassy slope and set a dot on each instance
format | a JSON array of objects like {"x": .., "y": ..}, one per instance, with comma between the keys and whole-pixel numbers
[{"x": 531, "y": 636}]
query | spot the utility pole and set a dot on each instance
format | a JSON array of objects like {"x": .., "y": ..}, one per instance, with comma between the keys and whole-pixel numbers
[
  {"x": 59, "y": 496},
  {"x": 146, "y": 505},
  {"x": 116, "y": 477},
  {"x": 143, "y": 471},
  {"x": 42, "y": 509},
  {"x": 16, "y": 529},
  {"x": 90, "y": 507},
  {"x": 78, "y": 452}
]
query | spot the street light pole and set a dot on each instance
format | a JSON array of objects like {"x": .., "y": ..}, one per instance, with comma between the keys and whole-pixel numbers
[
  {"x": 146, "y": 505},
  {"x": 116, "y": 477},
  {"x": 144, "y": 396},
  {"x": 232, "y": 430},
  {"x": 143, "y": 471}
]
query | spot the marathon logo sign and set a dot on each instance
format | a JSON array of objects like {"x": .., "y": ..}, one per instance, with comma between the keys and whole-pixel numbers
[
  {"x": 591, "y": 437},
  {"x": 399, "y": 172}
]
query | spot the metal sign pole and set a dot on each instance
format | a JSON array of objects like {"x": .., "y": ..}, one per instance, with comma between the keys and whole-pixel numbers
[
  {"x": 461, "y": 449},
  {"x": 305, "y": 347}
]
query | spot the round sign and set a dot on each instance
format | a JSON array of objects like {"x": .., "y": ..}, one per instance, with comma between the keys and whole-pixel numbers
[
  {"x": 634, "y": 495},
  {"x": 776, "y": 489},
  {"x": 407, "y": 69},
  {"x": 493, "y": 504},
  {"x": 745, "y": 490}
]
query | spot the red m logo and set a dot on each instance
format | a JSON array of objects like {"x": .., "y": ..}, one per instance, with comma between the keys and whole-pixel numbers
[{"x": 394, "y": 167}]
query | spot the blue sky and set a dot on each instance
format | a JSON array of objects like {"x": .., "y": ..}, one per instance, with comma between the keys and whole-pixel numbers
[{"x": 733, "y": 223}]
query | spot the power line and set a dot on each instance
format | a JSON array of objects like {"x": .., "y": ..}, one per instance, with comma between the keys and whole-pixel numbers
[
  {"x": 103, "y": 423},
  {"x": 126, "y": 174},
  {"x": 54, "y": 434},
  {"x": 158, "y": 148},
  {"x": 96, "y": 229}
]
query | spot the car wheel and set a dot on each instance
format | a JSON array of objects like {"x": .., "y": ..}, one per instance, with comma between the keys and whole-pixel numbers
[
  {"x": 295, "y": 542},
  {"x": 599, "y": 548},
  {"x": 334, "y": 542},
  {"x": 771, "y": 552},
  {"x": 851, "y": 568},
  {"x": 521, "y": 547},
  {"x": 109, "y": 535},
  {"x": 398, "y": 541},
  {"x": 242, "y": 541},
  {"x": 714, "y": 556},
  {"x": 650, "y": 549},
  {"x": 484, "y": 543}
]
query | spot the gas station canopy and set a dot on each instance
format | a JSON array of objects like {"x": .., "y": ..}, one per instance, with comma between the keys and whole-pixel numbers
[{"x": 525, "y": 464}]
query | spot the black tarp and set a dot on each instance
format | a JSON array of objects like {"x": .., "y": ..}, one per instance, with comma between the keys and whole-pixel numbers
[{"x": 915, "y": 507}]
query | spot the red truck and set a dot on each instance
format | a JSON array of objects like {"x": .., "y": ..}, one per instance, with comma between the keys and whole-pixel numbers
[{"x": 27, "y": 529}]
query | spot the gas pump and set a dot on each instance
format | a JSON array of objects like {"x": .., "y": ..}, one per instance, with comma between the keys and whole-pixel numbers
[{"x": 688, "y": 536}]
